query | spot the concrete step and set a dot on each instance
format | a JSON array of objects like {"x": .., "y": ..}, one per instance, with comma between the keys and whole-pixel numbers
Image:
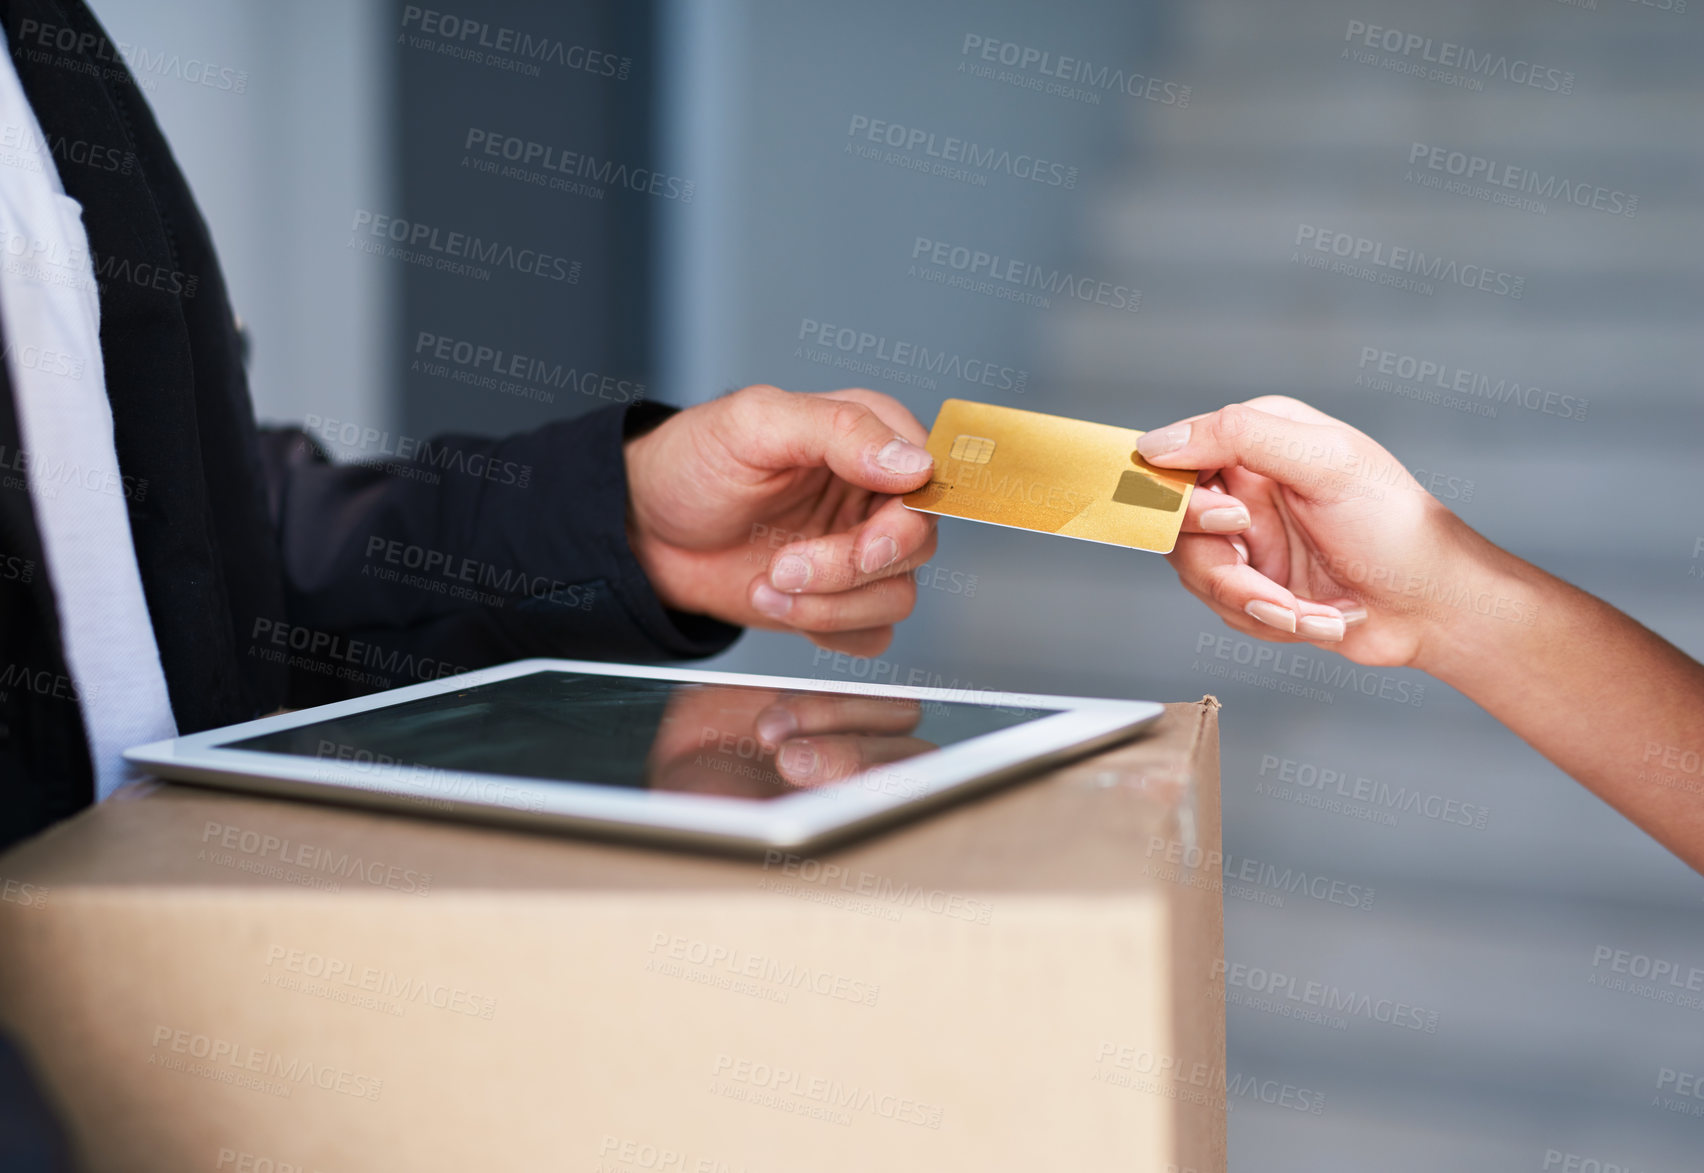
[
  {"x": 1611, "y": 364},
  {"x": 1176, "y": 220}
]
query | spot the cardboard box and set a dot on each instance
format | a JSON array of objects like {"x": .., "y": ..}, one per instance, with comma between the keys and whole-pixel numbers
[{"x": 1025, "y": 981}]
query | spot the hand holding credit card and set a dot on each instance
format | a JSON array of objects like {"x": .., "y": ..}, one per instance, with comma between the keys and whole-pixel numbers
[{"x": 1051, "y": 474}]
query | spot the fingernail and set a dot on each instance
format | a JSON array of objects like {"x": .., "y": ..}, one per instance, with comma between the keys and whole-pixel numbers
[
  {"x": 1225, "y": 521},
  {"x": 1152, "y": 444},
  {"x": 1321, "y": 627},
  {"x": 771, "y": 601},
  {"x": 903, "y": 457},
  {"x": 1353, "y": 615},
  {"x": 1241, "y": 547},
  {"x": 798, "y": 760},
  {"x": 776, "y": 726},
  {"x": 879, "y": 554},
  {"x": 1273, "y": 615},
  {"x": 790, "y": 573}
]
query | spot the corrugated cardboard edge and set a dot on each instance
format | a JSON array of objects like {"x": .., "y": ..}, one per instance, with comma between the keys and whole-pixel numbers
[{"x": 1198, "y": 941}]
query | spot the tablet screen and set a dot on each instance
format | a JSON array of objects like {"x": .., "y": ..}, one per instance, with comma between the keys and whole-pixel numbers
[{"x": 735, "y": 741}]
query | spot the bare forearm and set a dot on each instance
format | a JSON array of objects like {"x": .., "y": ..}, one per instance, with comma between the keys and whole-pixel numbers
[{"x": 1610, "y": 702}]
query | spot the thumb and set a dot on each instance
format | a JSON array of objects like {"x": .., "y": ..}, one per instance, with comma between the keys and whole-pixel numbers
[{"x": 775, "y": 430}]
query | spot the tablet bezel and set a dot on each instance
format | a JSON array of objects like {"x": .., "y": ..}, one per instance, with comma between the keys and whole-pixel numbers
[{"x": 792, "y": 822}]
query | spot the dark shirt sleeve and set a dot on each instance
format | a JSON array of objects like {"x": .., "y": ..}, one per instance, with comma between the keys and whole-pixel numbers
[{"x": 460, "y": 552}]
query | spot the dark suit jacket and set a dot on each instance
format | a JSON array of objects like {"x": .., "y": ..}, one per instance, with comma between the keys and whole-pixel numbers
[{"x": 273, "y": 577}]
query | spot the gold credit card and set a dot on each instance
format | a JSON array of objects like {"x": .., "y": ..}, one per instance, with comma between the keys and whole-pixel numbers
[{"x": 1048, "y": 473}]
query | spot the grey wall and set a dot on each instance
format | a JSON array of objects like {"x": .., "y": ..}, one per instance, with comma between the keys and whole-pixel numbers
[
  {"x": 464, "y": 166},
  {"x": 279, "y": 170}
]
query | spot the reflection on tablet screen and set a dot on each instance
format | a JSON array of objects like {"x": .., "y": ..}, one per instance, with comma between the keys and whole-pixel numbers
[{"x": 736, "y": 741}]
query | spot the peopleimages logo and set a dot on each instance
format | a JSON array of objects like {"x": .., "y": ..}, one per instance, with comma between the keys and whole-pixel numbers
[
  {"x": 527, "y": 154},
  {"x": 414, "y": 458},
  {"x": 275, "y": 850},
  {"x": 862, "y": 352},
  {"x": 495, "y": 369},
  {"x": 482, "y": 43},
  {"x": 1685, "y": 1084},
  {"x": 431, "y": 786},
  {"x": 1272, "y": 990},
  {"x": 42, "y": 682},
  {"x": 735, "y": 962},
  {"x": 831, "y": 1093},
  {"x": 383, "y": 984},
  {"x": 1666, "y": 980},
  {"x": 1333, "y": 673},
  {"x": 875, "y": 886},
  {"x": 1125, "y": 1065},
  {"x": 49, "y": 476},
  {"x": 1461, "y": 387},
  {"x": 1397, "y": 259},
  {"x": 1291, "y": 881},
  {"x": 1673, "y": 757},
  {"x": 925, "y": 145},
  {"x": 1062, "y": 75},
  {"x": 1419, "y": 52},
  {"x": 223, "y": 1060},
  {"x": 334, "y": 654},
  {"x": 1379, "y": 796},
  {"x": 1561, "y": 1162},
  {"x": 16, "y": 568},
  {"x": 496, "y": 583},
  {"x": 1013, "y": 280},
  {"x": 23, "y": 894},
  {"x": 454, "y": 252},
  {"x": 141, "y": 61},
  {"x": 1506, "y": 177},
  {"x": 35, "y": 147}
]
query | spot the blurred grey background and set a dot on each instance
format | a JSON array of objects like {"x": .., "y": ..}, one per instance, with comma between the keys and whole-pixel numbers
[{"x": 1206, "y": 137}]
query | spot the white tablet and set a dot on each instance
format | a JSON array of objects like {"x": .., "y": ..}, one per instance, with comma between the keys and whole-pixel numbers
[{"x": 713, "y": 759}]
